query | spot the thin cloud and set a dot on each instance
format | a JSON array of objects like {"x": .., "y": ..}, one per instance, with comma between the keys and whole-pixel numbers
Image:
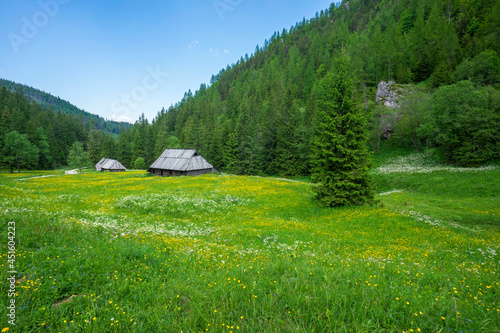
[
  {"x": 226, "y": 51},
  {"x": 193, "y": 44}
]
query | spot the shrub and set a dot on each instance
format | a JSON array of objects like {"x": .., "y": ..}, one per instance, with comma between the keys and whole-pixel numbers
[
  {"x": 467, "y": 123},
  {"x": 140, "y": 164}
]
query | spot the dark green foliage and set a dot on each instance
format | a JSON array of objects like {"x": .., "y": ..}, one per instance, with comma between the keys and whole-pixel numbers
[
  {"x": 52, "y": 133},
  {"x": 43, "y": 146},
  {"x": 229, "y": 150},
  {"x": 467, "y": 123},
  {"x": 56, "y": 104},
  {"x": 18, "y": 151},
  {"x": 441, "y": 75},
  {"x": 339, "y": 158},
  {"x": 483, "y": 69},
  {"x": 406, "y": 21},
  {"x": 256, "y": 115},
  {"x": 408, "y": 128}
]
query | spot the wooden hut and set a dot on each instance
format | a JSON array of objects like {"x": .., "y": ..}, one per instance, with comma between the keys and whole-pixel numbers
[
  {"x": 180, "y": 162},
  {"x": 108, "y": 164},
  {"x": 98, "y": 165}
]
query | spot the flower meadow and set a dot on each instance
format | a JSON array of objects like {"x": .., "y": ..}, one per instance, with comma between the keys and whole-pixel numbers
[{"x": 128, "y": 252}]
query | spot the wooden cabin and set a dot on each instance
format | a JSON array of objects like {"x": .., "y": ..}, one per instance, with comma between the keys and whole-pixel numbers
[
  {"x": 180, "y": 162},
  {"x": 108, "y": 164}
]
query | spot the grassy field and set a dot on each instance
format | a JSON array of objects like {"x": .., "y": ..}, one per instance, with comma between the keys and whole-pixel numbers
[{"x": 128, "y": 252}]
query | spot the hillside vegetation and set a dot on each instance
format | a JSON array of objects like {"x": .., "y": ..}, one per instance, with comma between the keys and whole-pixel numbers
[
  {"x": 56, "y": 104},
  {"x": 223, "y": 253},
  {"x": 255, "y": 116}
]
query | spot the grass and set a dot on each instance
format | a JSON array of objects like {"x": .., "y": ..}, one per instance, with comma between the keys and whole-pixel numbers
[{"x": 126, "y": 252}]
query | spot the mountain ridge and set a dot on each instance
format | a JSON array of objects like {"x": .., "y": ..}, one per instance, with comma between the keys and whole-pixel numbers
[{"x": 49, "y": 101}]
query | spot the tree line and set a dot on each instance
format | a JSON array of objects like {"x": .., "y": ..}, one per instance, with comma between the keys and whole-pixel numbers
[
  {"x": 256, "y": 116},
  {"x": 56, "y": 104}
]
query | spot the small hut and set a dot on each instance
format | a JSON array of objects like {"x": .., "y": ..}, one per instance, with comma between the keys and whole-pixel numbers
[
  {"x": 98, "y": 165},
  {"x": 180, "y": 162},
  {"x": 108, "y": 164}
]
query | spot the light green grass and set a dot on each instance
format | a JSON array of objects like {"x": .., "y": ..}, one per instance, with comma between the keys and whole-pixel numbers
[{"x": 249, "y": 254}]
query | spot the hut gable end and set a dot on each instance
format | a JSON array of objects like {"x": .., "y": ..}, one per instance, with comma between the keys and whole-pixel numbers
[{"x": 109, "y": 164}]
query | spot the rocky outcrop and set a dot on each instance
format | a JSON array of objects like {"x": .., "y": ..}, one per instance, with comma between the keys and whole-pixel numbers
[
  {"x": 388, "y": 94},
  {"x": 387, "y": 122}
]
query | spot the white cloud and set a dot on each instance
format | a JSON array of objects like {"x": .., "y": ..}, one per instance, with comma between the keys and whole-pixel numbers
[
  {"x": 215, "y": 52},
  {"x": 121, "y": 119},
  {"x": 226, "y": 51},
  {"x": 193, "y": 44}
]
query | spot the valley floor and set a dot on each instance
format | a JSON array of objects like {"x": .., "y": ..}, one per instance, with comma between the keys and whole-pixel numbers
[{"x": 128, "y": 252}]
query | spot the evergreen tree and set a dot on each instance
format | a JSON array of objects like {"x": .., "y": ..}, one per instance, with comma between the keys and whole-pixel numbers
[
  {"x": 229, "y": 149},
  {"x": 42, "y": 143},
  {"x": 339, "y": 156}
]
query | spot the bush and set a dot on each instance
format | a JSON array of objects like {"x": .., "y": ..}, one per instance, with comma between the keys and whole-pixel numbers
[
  {"x": 466, "y": 122},
  {"x": 140, "y": 164}
]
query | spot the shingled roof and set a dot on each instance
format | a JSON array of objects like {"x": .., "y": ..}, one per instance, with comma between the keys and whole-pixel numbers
[{"x": 181, "y": 160}]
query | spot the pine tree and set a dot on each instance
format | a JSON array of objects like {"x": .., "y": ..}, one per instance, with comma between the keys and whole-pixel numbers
[{"x": 339, "y": 155}]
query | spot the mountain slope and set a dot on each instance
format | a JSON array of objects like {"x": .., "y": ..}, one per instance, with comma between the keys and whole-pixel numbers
[
  {"x": 255, "y": 116},
  {"x": 56, "y": 104}
]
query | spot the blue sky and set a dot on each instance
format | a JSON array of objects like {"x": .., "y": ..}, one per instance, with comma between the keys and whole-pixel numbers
[{"x": 119, "y": 59}]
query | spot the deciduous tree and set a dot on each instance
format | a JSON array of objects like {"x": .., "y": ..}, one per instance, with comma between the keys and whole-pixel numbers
[
  {"x": 77, "y": 156},
  {"x": 18, "y": 151}
]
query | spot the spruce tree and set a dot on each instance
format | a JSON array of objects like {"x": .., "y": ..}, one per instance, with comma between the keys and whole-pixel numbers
[{"x": 339, "y": 155}]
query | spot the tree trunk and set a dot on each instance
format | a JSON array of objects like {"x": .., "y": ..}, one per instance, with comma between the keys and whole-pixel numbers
[
  {"x": 18, "y": 168},
  {"x": 11, "y": 169}
]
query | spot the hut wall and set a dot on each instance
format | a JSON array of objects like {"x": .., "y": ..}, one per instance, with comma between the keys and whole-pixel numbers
[
  {"x": 160, "y": 172},
  {"x": 198, "y": 172}
]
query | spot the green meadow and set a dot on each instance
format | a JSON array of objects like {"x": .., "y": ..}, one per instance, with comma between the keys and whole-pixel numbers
[{"x": 129, "y": 252}]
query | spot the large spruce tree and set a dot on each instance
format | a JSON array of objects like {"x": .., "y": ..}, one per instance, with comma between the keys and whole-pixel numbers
[{"x": 339, "y": 155}]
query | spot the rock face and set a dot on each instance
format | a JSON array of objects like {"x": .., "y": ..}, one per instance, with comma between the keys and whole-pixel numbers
[
  {"x": 388, "y": 94},
  {"x": 387, "y": 123}
]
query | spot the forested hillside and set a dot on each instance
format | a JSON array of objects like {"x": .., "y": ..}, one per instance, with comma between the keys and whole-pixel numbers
[
  {"x": 255, "y": 116},
  {"x": 52, "y": 133},
  {"x": 57, "y": 104}
]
